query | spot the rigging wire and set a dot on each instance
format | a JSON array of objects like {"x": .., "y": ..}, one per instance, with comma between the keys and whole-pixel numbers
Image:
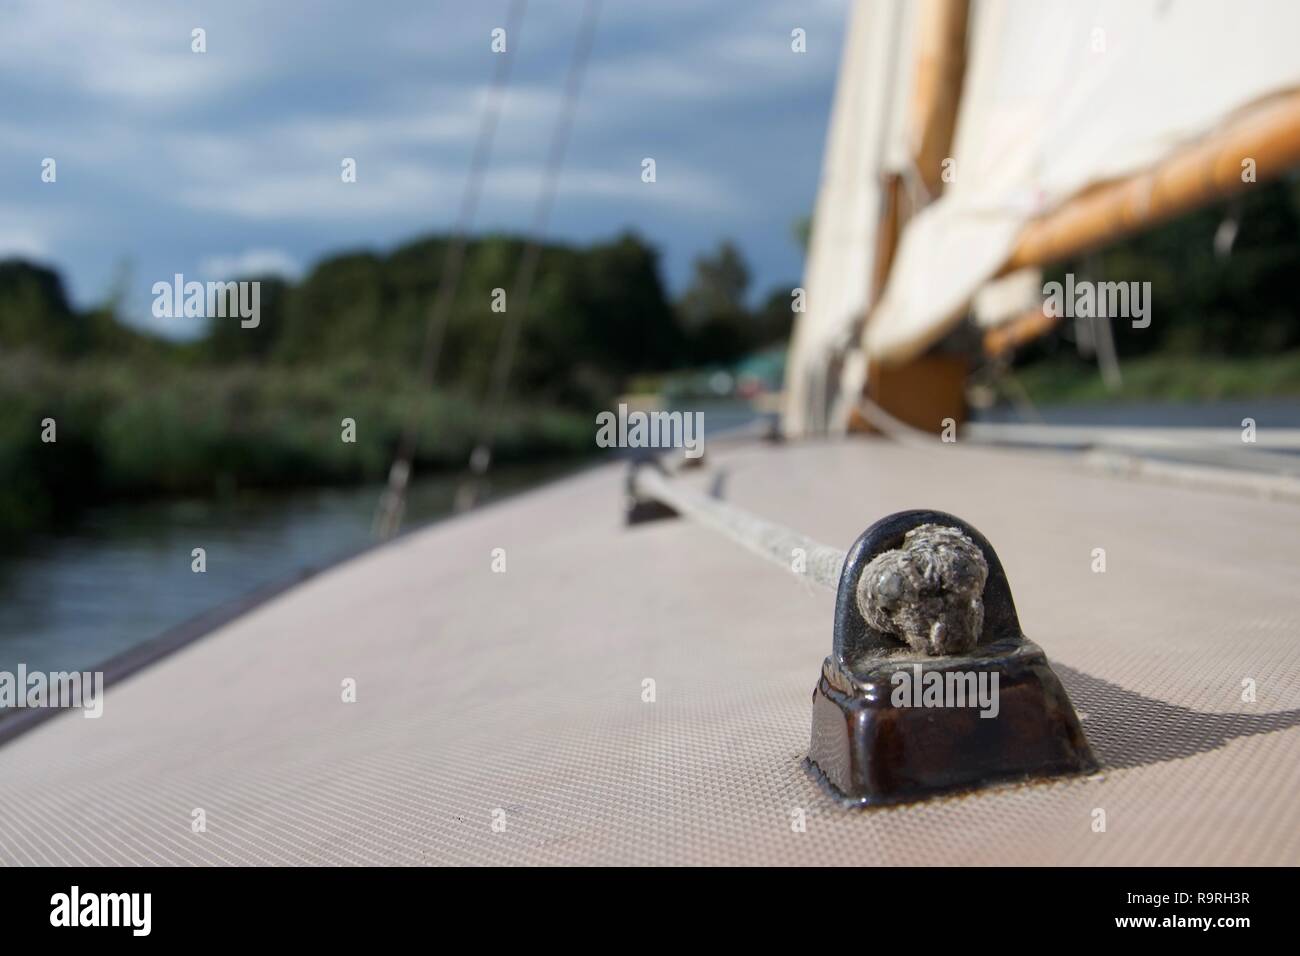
[
  {"x": 522, "y": 285},
  {"x": 388, "y": 516}
]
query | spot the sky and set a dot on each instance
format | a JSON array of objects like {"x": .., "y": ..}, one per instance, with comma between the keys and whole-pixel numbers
[{"x": 228, "y": 162}]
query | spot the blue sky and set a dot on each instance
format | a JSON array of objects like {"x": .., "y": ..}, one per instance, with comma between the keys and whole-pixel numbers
[{"x": 215, "y": 163}]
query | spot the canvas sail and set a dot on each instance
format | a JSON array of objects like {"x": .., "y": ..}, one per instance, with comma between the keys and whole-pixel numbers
[
  {"x": 1058, "y": 97},
  {"x": 864, "y": 140},
  {"x": 1061, "y": 96}
]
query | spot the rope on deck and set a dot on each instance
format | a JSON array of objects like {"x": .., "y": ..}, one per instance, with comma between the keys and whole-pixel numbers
[
  {"x": 821, "y": 563},
  {"x": 927, "y": 593}
]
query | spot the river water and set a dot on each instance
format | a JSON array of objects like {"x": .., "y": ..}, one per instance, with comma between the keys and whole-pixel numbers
[
  {"x": 123, "y": 575},
  {"x": 73, "y": 600}
]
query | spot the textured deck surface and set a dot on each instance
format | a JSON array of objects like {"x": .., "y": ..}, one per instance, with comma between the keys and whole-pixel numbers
[{"x": 521, "y": 692}]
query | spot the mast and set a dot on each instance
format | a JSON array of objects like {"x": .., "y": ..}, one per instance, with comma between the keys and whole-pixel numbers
[{"x": 929, "y": 388}]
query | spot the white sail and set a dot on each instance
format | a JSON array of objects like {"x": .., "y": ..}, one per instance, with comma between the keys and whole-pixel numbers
[
  {"x": 1060, "y": 96},
  {"x": 864, "y": 140}
]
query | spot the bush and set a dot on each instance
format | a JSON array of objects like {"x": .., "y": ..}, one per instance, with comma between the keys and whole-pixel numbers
[{"x": 133, "y": 429}]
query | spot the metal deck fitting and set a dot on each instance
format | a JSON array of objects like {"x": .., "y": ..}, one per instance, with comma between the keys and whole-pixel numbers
[{"x": 891, "y": 725}]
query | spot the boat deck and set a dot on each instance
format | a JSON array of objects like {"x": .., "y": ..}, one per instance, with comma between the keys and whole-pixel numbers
[{"x": 516, "y": 698}]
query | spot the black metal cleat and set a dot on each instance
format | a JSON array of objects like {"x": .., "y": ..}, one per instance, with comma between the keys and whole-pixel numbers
[{"x": 923, "y": 710}]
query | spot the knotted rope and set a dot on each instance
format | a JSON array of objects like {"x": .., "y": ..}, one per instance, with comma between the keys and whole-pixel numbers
[{"x": 927, "y": 593}]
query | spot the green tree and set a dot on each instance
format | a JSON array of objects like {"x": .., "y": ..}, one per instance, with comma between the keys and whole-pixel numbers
[
  {"x": 774, "y": 320},
  {"x": 717, "y": 288},
  {"x": 34, "y": 311},
  {"x": 227, "y": 340},
  {"x": 713, "y": 310}
]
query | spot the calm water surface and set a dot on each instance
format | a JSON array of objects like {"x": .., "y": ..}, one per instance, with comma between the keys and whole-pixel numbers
[{"x": 73, "y": 600}]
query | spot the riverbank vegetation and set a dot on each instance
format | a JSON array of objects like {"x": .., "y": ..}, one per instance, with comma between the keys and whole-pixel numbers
[
  {"x": 131, "y": 429},
  {"x": 1223, "y": 320},
  {"x": 1164, "y": 378},
  {"x": 139, "y": 415},
  {"x": 136, "y": 415}
]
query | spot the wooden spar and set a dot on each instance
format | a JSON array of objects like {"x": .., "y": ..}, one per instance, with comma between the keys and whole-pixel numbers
[
  {"x": 936, "y": 88},
  {"x": 1018, "y": 331},
  {"x": 1211, "y": 170},
  {"x": 936, "y": 91},
  {"x": 922, "y": 392},
  {"x": 890, "y": 224},
  {"x": 890, "y": 215},
  {"x": 1202, "y": 174}
]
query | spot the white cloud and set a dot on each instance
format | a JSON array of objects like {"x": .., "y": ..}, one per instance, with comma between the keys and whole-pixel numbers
[
  {"x": 422, "y": 192},
  {"x": 316, "y": 193},
  {"x": 166, "y": 154},
  {"x": 30, "y": 231},
  {"x": 22, "y": 245},
  {"x": 250, "y": 262},
  {"x": 676, "y": 185},
  {"x": 714, "y": 60},
  {"x": 290, "y": 171},
  {"x": 134, "y": 58}
]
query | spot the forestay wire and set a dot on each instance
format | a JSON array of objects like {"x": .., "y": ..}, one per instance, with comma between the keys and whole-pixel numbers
[
  {"x": 388, "y": 517},
  {"x": 522, "y": 286}
]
